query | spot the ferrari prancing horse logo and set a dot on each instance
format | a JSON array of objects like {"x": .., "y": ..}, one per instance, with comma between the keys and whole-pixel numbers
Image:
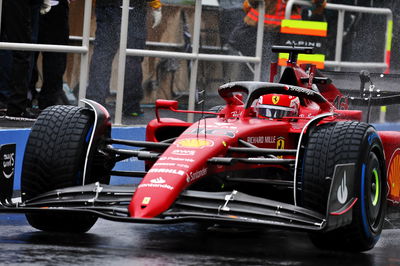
[
  {"x": 280, "y": 144},
  {"x": 275, "y": 99}
]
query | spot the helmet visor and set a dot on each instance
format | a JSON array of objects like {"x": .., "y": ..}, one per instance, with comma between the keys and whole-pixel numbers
[{"x": 271, "y": 111}]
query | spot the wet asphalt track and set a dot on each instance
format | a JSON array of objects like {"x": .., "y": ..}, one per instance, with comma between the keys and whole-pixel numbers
[{"x": 111, "y": 243}]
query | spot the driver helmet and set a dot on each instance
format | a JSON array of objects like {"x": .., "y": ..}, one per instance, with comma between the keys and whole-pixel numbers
[{"x": 277, "y": 106}]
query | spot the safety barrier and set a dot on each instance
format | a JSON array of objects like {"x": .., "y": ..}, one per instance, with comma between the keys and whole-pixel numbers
[{"x": 338, "y": 63}]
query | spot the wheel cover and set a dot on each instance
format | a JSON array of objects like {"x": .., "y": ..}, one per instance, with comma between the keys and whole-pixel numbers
[
  {"x": 373, "y": 196},
  {"x": 375, "y": 188}
]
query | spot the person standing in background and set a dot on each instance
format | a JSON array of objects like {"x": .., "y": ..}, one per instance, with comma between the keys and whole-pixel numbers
[
  {"x": 106, "y": 44},
  {"x": 53, "y": 29},
  {"x": 17, "y": 26},
  {"x": 5, "y": 73}
]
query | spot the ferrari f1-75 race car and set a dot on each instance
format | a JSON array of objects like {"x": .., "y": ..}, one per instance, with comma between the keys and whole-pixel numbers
[{"x": 320, "y": 170}]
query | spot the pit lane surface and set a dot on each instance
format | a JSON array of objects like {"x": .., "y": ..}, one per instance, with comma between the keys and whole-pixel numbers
[{"x": 111, "y": 243}]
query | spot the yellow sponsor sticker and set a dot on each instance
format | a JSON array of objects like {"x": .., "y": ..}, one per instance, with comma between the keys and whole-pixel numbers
[
  {"x": 146, "y": 200},
  {"x": 195, "y": 143},
  {"x": 280, "y": 144}
]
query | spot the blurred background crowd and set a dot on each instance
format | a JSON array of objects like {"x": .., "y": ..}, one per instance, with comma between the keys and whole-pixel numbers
[{"x": 31, "y": 81}]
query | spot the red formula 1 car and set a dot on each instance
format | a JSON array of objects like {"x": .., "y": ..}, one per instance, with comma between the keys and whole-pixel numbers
[{"x": 309, "y": 165}]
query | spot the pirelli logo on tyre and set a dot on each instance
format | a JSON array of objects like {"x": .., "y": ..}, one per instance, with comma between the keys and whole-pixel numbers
[{"x": 194, "y": 143}]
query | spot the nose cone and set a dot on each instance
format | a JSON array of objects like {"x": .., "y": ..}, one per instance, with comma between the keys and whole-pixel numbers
[
  {"x": 150, "y": 203},
  {"x": 182, "y": 164},
  {"x": 156, "y": 193}
]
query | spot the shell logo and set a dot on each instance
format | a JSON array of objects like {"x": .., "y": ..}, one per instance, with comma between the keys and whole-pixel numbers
[
  {"x": 195, "y": 143},
  {"x": 394, "y": 174}
]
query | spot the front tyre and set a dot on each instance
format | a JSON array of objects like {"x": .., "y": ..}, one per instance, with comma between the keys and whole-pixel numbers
[
  {"x": 54, "y": 158},
  {"x": 347, "y": 143}
]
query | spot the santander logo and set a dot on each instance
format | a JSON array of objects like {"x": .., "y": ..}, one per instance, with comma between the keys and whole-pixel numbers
[{"x": 158, "y": 180}]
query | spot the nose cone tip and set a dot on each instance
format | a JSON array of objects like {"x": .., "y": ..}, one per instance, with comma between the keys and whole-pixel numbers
[
  {"x": 141, "y": 210},
  {"x": 137, "y": 211}
]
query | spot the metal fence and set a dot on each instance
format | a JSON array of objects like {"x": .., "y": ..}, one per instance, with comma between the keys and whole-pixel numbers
[{"x": 194, "y": 56}]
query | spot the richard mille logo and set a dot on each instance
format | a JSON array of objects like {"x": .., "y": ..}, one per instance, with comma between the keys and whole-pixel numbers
[{"x": 342, "y": 191}]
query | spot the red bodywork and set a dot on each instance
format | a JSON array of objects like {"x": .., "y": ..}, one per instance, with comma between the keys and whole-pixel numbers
[{"x": 186, "y": 160}]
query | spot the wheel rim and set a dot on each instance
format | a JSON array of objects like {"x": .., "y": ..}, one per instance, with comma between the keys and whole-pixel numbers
[{"x": 373, "y": 187}]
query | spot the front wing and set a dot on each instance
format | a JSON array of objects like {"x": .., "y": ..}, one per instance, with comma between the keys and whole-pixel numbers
[{"x": 233, "y": 208}]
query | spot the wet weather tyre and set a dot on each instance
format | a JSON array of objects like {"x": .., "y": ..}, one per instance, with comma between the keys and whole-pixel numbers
[
  {"x": 54, "y": 158},
  {"x": 346, "y": 143}
]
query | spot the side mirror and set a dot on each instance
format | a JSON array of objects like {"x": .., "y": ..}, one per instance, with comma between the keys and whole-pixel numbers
[{"x": 167, "y": 104}]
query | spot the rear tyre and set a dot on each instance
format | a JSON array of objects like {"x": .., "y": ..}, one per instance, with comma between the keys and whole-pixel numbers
[
  {"x": 54, "y": 158},
  {"x": 343, "y": 143}
]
